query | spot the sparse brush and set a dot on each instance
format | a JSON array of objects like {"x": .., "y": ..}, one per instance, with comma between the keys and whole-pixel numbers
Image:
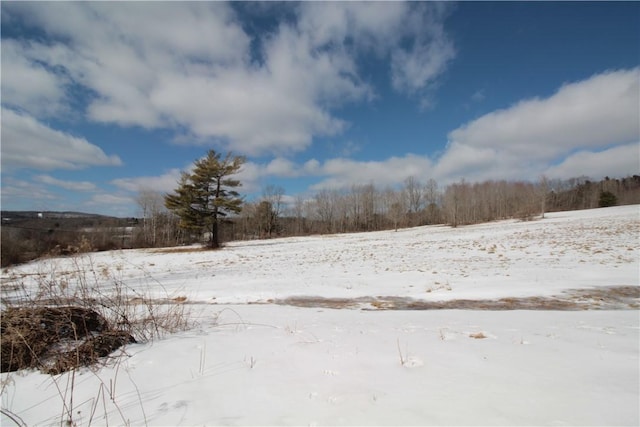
[
  {"x": 58, "y": 321},
  {"x": 251, "y": 362},
  {"x": 403, "y": 357},
  {"x": 103, "y": 292},
  {"x": 478, "y": 335}
]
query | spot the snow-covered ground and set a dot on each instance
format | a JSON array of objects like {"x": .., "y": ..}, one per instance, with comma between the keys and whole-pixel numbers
[{"x": 252, "y": 360}]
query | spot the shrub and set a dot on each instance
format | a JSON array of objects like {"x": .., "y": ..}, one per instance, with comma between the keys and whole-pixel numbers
[
  {"x": 60, "y": 321},
  {"x": 56, "y": 339},
  {"x": 607, "y": 198}
]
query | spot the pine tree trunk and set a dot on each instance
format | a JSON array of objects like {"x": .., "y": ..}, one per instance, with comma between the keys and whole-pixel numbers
[{"x": 215, "y": 241}]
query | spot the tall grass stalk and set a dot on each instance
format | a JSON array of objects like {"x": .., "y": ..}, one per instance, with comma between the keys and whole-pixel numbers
[{"x": 125, "y": 309}]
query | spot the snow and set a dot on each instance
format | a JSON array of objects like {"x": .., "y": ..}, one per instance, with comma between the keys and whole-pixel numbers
[{"x": 250, "y": 361}]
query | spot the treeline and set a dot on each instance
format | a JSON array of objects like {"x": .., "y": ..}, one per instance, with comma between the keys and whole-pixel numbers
[
  {"x": 367, "y": 208},
  {"x": 356, "y": 209},
  {"x": 26, "y": 236},
  {"x": 582, "y": 193}
]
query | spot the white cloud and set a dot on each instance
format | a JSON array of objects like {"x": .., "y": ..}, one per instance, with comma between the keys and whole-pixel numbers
[
  {"x": 20, "y": 194},
  {"x": 255, "y": 176},
  {"x": 478, "y": 96},
  {"x": 105, "y": 199},
  {"x": 589, "y": 128},
  {"x": 464, "y": 161},
  {"x": 311, "y": 167},
  {"x": 524, "y": 139},
  {"x": 282, "y": 168},
  {"x": 68, "y": 185},
  {"x": 27, "y": 84},
  {"x": 337, "y": 172},
  {"x": 190, "y": 66},
  {"x": 342, "y": 173},
  {"x": 377, "y": 26},
  {"x": 164, "y": 183},
  {"x": 252, "y": 177},
  {"x": 411, "y": 34},
  {"x": 623, "y": 160},
  {"x": 417, "y": 67},
  {"x": 28, "y": 143},
  {"x": 245, "y": 109},
  {"x": 414, "y": 69}
]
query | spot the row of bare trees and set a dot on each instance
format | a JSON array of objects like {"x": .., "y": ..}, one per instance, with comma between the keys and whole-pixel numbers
[
  {"x": 358, "y": 208},
  {"x": 368, "y": 208},
  {"x": 583, "y": 193},
  {"x": 26, "y": 237},
  {"x": 465, "y": 203},
  {"x": 158, "y": 227}
]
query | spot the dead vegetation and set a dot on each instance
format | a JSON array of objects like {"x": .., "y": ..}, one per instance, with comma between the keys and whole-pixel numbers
[
  {"x": 61, "y": 320},
  {"x": 56, "y": 339},
  {"x": 604, "y": 298},
  {"x": 180, "y": 250},
  {"x": 478, "y": 335}
]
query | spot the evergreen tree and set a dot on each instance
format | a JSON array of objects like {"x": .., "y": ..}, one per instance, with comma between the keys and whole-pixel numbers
[
  {"x": 607, "y": 198},
  {"x": 203, "y": 198}
]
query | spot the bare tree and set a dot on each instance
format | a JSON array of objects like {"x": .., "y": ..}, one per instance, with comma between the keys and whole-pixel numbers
[
  {"x": 342, "y": 222},
  {"x": 453, "y": 203},
  {"x": 265, "y": 219},
  {"x": 368, "y": 206},
  {"x": 355, "y": 208},
  {"x": 248, "y": 229},
  {"x": 159, "y": 225},
  {"x": 543, "y": 189},
  {"x": 325, "y": 208},
  {"x": 432, "y": 201},
  {"x": 413, "y": 189},
  {"x": 297, "y": 211},
  {"x": 396, "y": 206},
  {"x": 272, "y": 209}
]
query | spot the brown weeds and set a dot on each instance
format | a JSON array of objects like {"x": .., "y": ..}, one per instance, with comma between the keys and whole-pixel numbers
[
  {"x": 60, "y": 320},
  {"x": 56, "y": 339},
  {"x": 478, "y": 335},
  {"x": 605, "y": 298}
]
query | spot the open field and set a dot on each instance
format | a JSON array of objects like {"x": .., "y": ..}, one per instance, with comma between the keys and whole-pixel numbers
[{"x": 507, "y": 323}]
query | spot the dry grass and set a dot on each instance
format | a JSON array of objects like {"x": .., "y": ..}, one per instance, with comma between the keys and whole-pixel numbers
[
  {"x": 59, "y": 320},
  {"x": 335, "y": 303},
  {"x": 181, "y": 250},
  {"x": 56, "y": 339},
  {"x": 478, "y": 335},
  {"x": 605, "y": 298},
  {"x": 62, "y": 321}
]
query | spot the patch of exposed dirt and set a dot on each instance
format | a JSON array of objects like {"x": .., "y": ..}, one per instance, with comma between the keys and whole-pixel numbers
[
  {"x": 181, "y": 250},
  {"x": 56, "y": 339},
  {"x": 603, "y": 298}
]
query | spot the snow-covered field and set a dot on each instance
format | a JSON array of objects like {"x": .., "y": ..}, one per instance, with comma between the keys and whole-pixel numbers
[{"x": 254, "y": 360}]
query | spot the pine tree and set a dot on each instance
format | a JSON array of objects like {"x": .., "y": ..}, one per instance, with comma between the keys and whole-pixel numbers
[
  {"x": 607, "y": 198},
  {"x": 205, "y": 196}
]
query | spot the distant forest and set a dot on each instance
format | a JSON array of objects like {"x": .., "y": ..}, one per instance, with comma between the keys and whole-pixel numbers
[{"x": 29, "y": 235}]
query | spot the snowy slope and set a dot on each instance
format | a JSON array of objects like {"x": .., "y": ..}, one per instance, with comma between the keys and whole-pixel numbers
[
  {"x": 565, "y": 250},
  {"x": 268, "y": 364}
]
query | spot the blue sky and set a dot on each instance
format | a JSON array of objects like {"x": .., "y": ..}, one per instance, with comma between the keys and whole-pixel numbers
[{"x": 101, "y": 100}]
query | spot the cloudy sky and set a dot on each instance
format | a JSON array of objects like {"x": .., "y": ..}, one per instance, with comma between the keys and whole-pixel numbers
[{"x": 100, "y": 100}]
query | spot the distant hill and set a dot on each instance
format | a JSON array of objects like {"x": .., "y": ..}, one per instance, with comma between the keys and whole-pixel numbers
[
  {"x": 25, "y": 215},
  {"x": 27, "y": 235}
]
